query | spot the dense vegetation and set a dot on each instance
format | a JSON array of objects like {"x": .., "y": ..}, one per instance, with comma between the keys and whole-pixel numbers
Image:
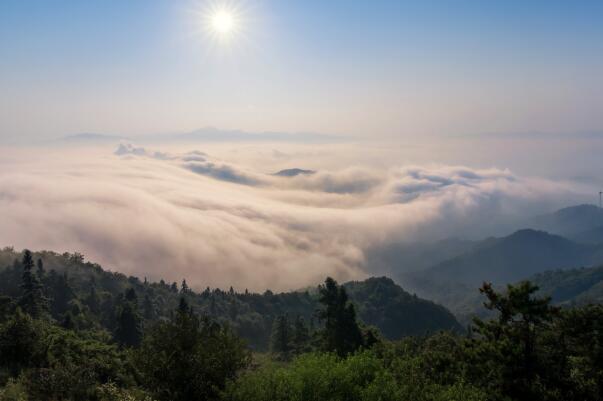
[
  {"x": 93, "y": 296},
  {"x": 60, "y": 342}
]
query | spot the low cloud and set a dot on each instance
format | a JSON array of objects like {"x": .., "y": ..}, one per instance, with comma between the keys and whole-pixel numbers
[{"x": 190, "y": 215}]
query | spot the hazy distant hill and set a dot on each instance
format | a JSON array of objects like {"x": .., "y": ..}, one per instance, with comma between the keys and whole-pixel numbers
[
  {"x": 380, "y": 301},
  {"x": 515, "y": 257},
  {"x": 519, "y": 256},
  {"x": 394, "y": 259},
  {"x": 583, "y": 223}
]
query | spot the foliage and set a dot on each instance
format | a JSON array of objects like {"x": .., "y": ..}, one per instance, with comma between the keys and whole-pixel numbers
[
  {"x": 325, "y": 376},
  {"x": 341, "y": 333},
  {"x": 189, "y": 358},
  {"x": 32, "y": 299},
  {"x": 98, "y": 297},
  {"x": 105, "y": 337}
]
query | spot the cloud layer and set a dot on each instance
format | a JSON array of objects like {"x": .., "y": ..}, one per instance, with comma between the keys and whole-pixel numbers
[{"x": 191, "y": 215}]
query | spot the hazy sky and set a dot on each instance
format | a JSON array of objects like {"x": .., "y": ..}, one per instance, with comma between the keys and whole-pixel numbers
[{"x": 360, "y": 68}]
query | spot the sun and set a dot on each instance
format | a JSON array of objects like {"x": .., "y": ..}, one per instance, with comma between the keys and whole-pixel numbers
[{"x": 223, "y": 22}]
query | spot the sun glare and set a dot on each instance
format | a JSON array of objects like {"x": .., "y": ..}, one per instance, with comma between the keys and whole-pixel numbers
[{"x": 222, "y": 22}]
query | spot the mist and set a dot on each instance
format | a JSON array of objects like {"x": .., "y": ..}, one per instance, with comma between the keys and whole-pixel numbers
[{"x": 218, "y": 215}]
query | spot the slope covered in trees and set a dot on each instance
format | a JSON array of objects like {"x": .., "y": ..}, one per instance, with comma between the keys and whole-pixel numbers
[
  {"x": 530, "y": 350},
  {"x": 87, "y": 296}
]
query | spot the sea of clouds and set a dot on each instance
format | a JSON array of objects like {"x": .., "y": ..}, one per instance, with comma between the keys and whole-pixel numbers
[{"x": 221, "y": 220}]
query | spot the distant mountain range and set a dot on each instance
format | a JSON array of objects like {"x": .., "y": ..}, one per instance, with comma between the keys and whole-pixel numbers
[
  {"x": 560, "y": 260},
  {"x": 207, "y": 134},
  {"x": 517, "y": 256},
  {"x": 582, "y": 223}
]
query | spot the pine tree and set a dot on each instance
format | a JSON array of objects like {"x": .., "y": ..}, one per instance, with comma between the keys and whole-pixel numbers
[
  {"x": 61, "y": 292},
  {"x": 32, "y": 300},
  {"x": 511, "y": 341},
  {"x": 41, "y": 271},
  {"x": 184, "y": 287},
  {"x": 301, "y": 336},
  {"x": 92, "y": 300},
  {"x": 128, "y": 332},
  {"x": 341, "y": 333},
  {"x": 183, "y": 306},
  {"x": 212, "y": 305},
  {"x": 131, "y": 296},
  {"x": 280, "y": 341},
  {"x": 148, "y": 307}
]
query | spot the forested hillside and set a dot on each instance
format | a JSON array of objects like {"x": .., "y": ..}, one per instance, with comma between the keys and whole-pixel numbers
[
  {"x": 573, "y": 286},
  {"x": 91, "y": 297},
  {"x": 567, "y": 288},
  {"x": 54, "y": 346}
]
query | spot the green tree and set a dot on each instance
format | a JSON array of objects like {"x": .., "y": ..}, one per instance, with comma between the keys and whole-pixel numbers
[
  {"x": 32, "y": 299},
  {"x": 341, "y": 333},
  {"x": 128, "y": 332},
  {"x": 92, "y": 300},
  {"x": 41, "y": 272},
  {"x": 280, "y": 341},
  {"x": 301, "y": 336},
  {"x": 189, "y": 358},
  {"x": 509, "y": 343},
  {"x": 21, "y": 343},
  {"x": 61, "y": 293},
  {"x": 184, "y": 287},
  {"x": 131, "y": 296},
  {"x": 148, "y": 308}
]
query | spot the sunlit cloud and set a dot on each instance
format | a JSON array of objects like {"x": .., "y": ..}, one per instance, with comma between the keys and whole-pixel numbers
[{"x": 177, "y": 214}]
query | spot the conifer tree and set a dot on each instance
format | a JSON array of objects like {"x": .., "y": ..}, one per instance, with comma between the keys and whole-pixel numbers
[
  {"x": 41, "y": 271},
  {"x": 128, "y": 332},
  {"x": 32, "y": 300},
  {"x": 92, "y": 300},
  {"x": 301, "y": 336},
  {"x": 280, "y": 341},
  {"x": 148, "y": 307},
  {"x": 341, "y": 333},
  {"x": 511, "y": 341},
  {"x": 184, "y": 287},
  {"x": 131, "y": 296},
  {"x": 61, "y": 292}
]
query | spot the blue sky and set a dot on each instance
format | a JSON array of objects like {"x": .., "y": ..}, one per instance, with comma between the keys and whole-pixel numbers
[{"x": 363, "y": 68}]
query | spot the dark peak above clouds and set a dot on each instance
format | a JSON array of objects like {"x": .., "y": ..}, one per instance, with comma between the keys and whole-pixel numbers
[
  {"x": 125, "y": 149},
  {"x": 292, "y": 172}
]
